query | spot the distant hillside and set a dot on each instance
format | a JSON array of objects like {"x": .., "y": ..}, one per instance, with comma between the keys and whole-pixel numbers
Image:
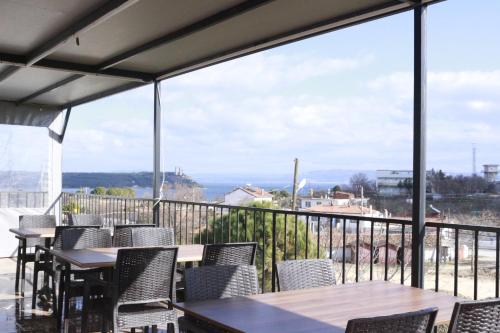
[{"x": 126, "y": 179}]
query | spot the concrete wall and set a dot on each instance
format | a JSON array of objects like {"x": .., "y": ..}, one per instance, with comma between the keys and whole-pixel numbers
[{"x": 9, "y": 218}]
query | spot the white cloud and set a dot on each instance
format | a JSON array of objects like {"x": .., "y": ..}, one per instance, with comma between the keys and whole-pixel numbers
[
  {"x": 258, "y": 113},
  {"x": 480, "y": 105},
  {"x": 263, "y": 71}
]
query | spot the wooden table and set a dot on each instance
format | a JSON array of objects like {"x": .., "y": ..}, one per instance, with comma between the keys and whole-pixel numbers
[
  {"x": 106, "y": 257},
  {"x": 23, "y": 234},
  {"x": 317, "y": 310},
  {"x": 34, "y": 232}
]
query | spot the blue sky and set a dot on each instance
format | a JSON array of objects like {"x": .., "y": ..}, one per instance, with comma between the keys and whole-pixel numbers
[{"x": 338, "y": 101}]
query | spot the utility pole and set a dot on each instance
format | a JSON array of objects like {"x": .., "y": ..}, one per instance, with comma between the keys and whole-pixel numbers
[
  {"x": 295, "y": 175},
  {"x": 473, "y": 159}
]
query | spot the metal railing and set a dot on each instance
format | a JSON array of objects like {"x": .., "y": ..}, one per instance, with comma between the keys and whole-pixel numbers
[
  {"x": 362, "y": 247},
  {"x": 23, "y": 199}
]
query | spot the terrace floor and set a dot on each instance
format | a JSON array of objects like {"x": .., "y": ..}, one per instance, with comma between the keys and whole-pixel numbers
[{"x": 16, "y": 314}]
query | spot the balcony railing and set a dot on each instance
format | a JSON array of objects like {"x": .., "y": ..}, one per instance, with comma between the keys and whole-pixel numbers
[
  {"x": 362, "y": 247},
  {"x": 23, "y": 199}
]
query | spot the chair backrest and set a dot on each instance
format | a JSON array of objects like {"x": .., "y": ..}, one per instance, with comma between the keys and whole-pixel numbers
[
  {"x": 84, "y": 238},
  {"x": 229, "y": 254},
  {"x": 410, "y": 322},
  {"x": 36, "y": 221},
  {"x": 57, "y": 242},
  {"x": 152, "y": 237},
  {"x": 476, "y": 317},
  {"x": 144, "y": 275},
  {"x": 141, "y": 225},
  {"x": 122, "y": 235},
  {"x": 85, "y": 220},
  {"x": 215, "y": 282},
  {"x": 305, "y": 273}
]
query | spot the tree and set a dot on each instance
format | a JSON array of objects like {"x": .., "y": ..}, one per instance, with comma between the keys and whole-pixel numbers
[
  {"x": 359, "y": 180},
  {"x": 407, "y": 184},
  {"x": 241, "y": 226},
  {"x": 100, "y": 190},
  {"x": 336, "y": 188}
]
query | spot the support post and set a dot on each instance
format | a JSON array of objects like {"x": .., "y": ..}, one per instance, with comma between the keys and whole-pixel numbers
[
  {"x": 157, "y": 155},
  {"x": 419, "y": 147},
  {"x": 295, "y": 184}
]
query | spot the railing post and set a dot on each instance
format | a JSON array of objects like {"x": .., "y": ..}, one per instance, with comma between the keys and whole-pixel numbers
[
  {"x": 419, "y": 147},
  {"x": 273, "y": 260}
]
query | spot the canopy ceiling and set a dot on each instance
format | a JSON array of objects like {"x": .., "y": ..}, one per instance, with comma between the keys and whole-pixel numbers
[{"x": 63, "y": 53}]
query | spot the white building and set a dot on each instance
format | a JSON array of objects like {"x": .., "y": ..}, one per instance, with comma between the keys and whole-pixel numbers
[
  {"x": 338, "y": 198},
  {"x": 389, "y": 181},
  {"x": 246, "y": 195},
  {"x": 490, "y": 172},
  {"x": 351, "y": 226}
]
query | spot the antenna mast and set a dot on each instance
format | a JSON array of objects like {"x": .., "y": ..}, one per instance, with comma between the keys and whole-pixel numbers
[{"x": 473, "y": 159}]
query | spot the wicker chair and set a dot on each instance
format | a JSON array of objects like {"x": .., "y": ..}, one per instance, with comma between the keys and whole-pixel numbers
[
  {"x": 85, "y": 220},
  {"x": 305, "y": 273},
  {"x": 49, "y": 266},
  {"x": 23, "y": 256},
  {"x": 476, "y": 317},
  {"x": 229, "y": 254},
  {"x": 216, "y": 282},
  {"x": 141, "y": 290},
  {"x": 152, "y": 237},
  {"x": 411, "y": 322},
  {"x": 74, "y": 239},
  {"x": 122, "y": 235}
]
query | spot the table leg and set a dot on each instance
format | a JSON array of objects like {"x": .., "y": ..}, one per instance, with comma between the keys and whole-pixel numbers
[
  {"x": 18, "y": 266},
  {"x": 60, "y": 299},
  {"x": 23, "y": 266},
  {"x": 67, "y": 284}
]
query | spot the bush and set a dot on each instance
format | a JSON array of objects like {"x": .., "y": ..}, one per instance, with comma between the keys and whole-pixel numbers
[
  {"x": 99, "y": 191},
  {"x": 72, "y": 207},
  {"x": 121, "y": 192}
]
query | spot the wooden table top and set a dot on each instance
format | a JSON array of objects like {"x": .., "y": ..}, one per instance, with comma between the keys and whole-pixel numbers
[
  {"x": 106, "y": 257},
  {"x": 317, "y": 310},
  {"x": 34, "y": 232}
]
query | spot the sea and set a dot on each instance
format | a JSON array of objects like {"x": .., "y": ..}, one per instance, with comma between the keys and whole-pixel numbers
[{"x": 215, "y": 191}]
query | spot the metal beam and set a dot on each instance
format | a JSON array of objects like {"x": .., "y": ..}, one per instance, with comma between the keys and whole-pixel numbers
[
  {"x": 221, "y": 16},
  {"x": 7, "y": 72},
  {"x": 326, "y": 26},
  {"x": 157, "y": 154},
  {"x": 20, "y": 61},
  {"x": 102, "y": 94},
  {"x": 102, "y": 13},
  {"x": 419, "y": 146},
  {"x": 65, "y": 125},
  {"x": 49, "y": 88}
]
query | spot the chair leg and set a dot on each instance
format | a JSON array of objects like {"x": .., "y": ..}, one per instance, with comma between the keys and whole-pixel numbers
[
  {"x": 173, "y": 327},
  {"x": 18, "y": 266},
  {"x": 154, "y": 329},
  {"x": 85, "y": 307},
  {"x": 35, "y": 285}
]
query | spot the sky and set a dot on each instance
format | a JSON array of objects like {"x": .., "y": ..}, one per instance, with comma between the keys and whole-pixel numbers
[{"x": 342, "y": 100}]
